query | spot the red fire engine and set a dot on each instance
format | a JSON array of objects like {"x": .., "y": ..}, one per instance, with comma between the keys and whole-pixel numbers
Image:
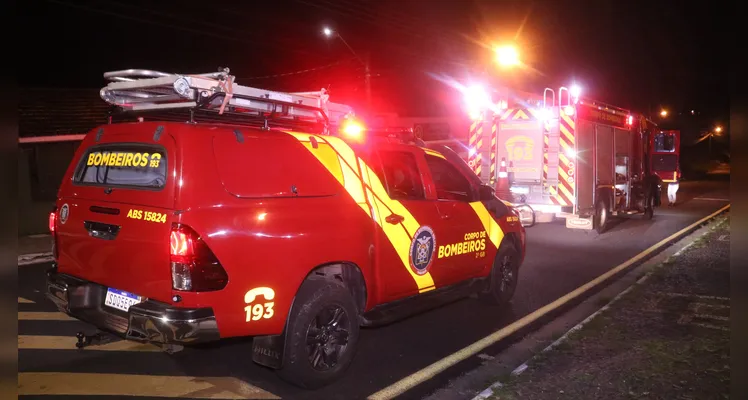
[{"x": 575, "y": 158}]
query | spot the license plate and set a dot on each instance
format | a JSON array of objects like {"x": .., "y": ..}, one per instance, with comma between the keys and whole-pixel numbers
[{"x": 120, "y": 299}]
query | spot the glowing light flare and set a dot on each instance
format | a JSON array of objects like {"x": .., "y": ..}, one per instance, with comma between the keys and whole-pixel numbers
[
  {"x": 353, "y": 129},
  {"x": 663, "y": 113},
  {"x": 507, "y": 56},
  {"x": 476, "y": 100},
  {"x": 630, "y": 120},
  {"x": 569, "y": 110},
  {"x": 575, "y": 90},
  {"x": 718, "y": 129},
  {"x": 571, "y": 153},
  {"x": 327, "y": 31}
]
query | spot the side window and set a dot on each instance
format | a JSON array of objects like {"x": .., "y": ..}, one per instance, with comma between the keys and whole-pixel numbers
[
  {"x": 450, "y": 183},
  {"x": 400, "y": 175}
]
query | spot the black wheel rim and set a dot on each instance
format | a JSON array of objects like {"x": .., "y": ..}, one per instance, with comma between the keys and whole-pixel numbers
[
  {"x": 327, "y": 337},
  {"x": 506, "y": 274}
]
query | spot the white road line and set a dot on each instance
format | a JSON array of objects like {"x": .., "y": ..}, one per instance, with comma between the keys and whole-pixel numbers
[
  {"x": 39, "y": 342},
  {"x": 710, "y": 199},
  {"x": 183, "y": 387},
  {"x": 44, "y": 316}
]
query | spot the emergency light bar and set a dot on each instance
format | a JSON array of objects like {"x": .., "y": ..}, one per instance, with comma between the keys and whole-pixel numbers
[{"x": 136, "y": 90}]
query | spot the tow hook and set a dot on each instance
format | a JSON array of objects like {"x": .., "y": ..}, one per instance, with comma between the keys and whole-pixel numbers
[{"x": 87, "y": 340}]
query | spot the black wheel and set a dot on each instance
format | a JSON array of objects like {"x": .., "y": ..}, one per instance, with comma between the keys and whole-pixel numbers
[
  {"x": 322, "y": 335},
  {"x": 602, "y": 215},
  {"x": 504, "y": 275}
]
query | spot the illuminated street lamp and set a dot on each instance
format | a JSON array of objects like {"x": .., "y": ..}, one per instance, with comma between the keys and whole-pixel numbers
[
  {"x": 663, "y": 113},
  {"x": 507, "y": 56},
  {"x": 718, "y": 129}
]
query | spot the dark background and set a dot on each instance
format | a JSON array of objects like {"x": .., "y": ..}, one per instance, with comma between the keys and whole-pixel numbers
[{"x": 639, "y": 55}]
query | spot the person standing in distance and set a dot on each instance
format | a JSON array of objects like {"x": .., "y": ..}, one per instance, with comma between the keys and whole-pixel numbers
[{"x": 672, "y": 188}]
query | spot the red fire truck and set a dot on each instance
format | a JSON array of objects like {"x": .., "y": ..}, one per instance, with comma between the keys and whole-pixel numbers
[{"x": 579, "y": 159}]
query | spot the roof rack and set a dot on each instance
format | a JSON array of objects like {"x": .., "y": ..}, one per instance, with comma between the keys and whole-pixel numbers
[{"x": 138, "y": 90}]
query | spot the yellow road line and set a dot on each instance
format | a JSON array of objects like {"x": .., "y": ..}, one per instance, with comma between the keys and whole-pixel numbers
[
  {"x": 44, "y": 316},
  {"x": 183, "y": 387},
  {"x": 21, "y": 300},
  {"x": 39, "y": 342},
  {"x": 432, "y": 370}
]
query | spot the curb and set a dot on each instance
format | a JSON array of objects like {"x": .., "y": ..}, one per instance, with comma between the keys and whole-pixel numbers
[{"x": 489, "y": 391}]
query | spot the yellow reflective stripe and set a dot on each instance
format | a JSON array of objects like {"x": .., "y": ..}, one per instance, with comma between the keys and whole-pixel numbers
[
  {"x": 489, "y": 224},
  {"x": 368, "y": 186},
  {"x": 564, "y": 145},
  {"x": 433, "y": 153},
  {"x": 327, "y": 156},
  {"x": 563, "y": 158},
  {"x": 567, "y": 193},
  {"x": 568, "y": 120},
  {"x": 400, "y": 235},
  {"x": 567, "y": 133}
]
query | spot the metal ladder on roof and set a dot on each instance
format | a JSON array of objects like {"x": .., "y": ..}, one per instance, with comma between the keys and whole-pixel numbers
[{"x": 140, "y": 90}]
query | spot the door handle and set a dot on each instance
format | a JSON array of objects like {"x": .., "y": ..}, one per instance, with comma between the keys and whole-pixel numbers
[
  {"x": 395, "y": 219},
  {"x": 100, "y": 230}
]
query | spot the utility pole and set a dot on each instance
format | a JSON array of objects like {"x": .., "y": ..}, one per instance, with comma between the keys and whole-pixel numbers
[{"x": 367, "y": 78}]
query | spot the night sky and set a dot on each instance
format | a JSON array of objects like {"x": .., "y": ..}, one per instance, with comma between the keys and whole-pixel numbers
[{"x": 641, "y": 55}]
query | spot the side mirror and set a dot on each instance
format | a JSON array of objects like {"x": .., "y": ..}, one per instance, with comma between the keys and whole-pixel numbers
[{"x": 526, "y": 215}]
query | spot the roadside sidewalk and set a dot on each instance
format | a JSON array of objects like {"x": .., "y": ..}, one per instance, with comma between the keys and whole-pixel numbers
[{"x": 666, "y": 338}]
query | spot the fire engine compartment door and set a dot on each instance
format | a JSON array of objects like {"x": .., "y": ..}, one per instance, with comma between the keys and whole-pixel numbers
[
  {"x": 585, "y": 171},
  {"x": 521, "y": 143},
  {"x": 604, "y": 156}
]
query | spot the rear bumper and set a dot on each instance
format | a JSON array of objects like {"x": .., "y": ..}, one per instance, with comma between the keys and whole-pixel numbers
[{"x": 149, "y": 321}]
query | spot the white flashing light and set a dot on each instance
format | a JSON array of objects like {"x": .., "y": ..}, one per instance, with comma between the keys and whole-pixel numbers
[
  {"x": 544, "y": 114},
  {"x": 476, "y": 99},
  {"x": 472, "y": 151},
  {"x": 575, "y": 91},
  {"x": 327, "y": 31},
  {"x": 571, "y": 153},
  {"x": 569, "y": 110}
]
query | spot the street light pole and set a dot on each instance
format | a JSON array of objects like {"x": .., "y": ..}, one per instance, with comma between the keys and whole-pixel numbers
[{"x": 365, "y": 62}]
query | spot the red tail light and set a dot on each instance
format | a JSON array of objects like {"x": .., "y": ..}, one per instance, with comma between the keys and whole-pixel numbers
[
  {"x": 194, "y": 267},
  {"x": 52, "y": 220},
  {"x": 53, "y": 231}
]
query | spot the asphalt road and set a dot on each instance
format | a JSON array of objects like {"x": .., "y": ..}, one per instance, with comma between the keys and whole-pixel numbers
[{"x": 558, "y": 261}]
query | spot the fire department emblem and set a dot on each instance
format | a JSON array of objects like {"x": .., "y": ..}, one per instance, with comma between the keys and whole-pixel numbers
[
  {"x": 422, "y": 250},
  {"x": 64, "y": 212}
]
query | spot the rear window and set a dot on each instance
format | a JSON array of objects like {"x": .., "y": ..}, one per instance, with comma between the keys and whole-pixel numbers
[
  {"x": 121, "y": 165},
  {"x": 664, "y": 142}
]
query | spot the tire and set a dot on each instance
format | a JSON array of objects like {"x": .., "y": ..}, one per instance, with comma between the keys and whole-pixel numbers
[
  {"x": 602, "y": 216},
  {"x": 310, "y": 321},
  {"x": 504, "y": 275}
]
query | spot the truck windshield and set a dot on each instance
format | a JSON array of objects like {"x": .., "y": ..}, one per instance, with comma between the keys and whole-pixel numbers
[{"x": 123, "y": 166}]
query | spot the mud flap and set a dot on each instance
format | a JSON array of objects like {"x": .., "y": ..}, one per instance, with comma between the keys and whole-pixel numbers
[
  {"x": 577, "y": 222},
  {"x": 268, "y": 350}
]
